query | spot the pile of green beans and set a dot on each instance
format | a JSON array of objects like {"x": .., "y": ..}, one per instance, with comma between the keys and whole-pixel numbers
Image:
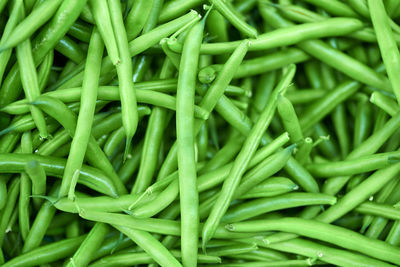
[{"x": 199, "y": 133}]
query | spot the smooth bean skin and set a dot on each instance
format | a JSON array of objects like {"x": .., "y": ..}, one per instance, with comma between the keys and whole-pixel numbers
[
  {"x": 263, "y": 205},
  {"x": 84, "y": 121},
  {"x": 228, "y": 11},
  {"x": 332, "y": 234},
  {"x": 354, "y": 166},
  {"x": 137, "y": 17},
  {"x": 48, "y": 253},
  {"x": 91, "y": 177},
  {"x": 381, "y": 210},
  {"x": 151, "y": 245},
  {"x": 70, "y": 49},
  {"x": 271, "y": 187},
  {"x": 327, "y": 254},
  {"x": 186, "y": 143},
  {"x": 102, "y": 203},
  {"x": 285, "y": 36}
]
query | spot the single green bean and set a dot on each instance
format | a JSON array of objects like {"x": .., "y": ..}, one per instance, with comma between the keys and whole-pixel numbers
[
  {"x": 271, "y": 187},
  {"x": 260, "y": 206},
  {"x": 353, "y": 166}
]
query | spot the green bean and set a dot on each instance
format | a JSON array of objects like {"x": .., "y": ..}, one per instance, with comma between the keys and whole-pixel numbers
[
  {"x": 234, "y": 17},
  {"x": 41, "y": 223},
  {"x": 334, "y": 7},
  {"x": 44, "y": 70},
  {"x": 353, "y": 166},
  {"x": 264, "y": 169},
  {"x": 327, "y": 103},
  {"x": 162, "y": 226},
  {"x": 102, "y": 203},
  {"x": 209, "y": 101},
  {"x": 385, "y": 103},
  {"x": 386, "y": 42},
  {"x": 108, "y": 93},
  {"x": 30, "y": 83},
  {"x": 37, "y": 175},
  {"x": 243, "y": 158},
  {"x": 137, "y": 17},
  {"x": 42, "y": 44},
  {"x": 260, "y": 206},
  {"x": 325, "y": 253},
  {"x": 128, "y": 259},
  {"x": 3, "y": 191},
  {"x": 14, "y": 18},
  {"x": 70, "y": 49},
  {"x": 173, "y": 9},
  {"x": 39, "y": 16},
  {"x": 232, "y": 249},
  {"x": 48, "y": 253},
  {"x": 271, "y": 187},
  {"x": 92, "y": 242},
  {"x": 152, "y": 142},
  {"x": 303, "y": 154},
  {"x": 149, "y": 244},
  {"x": 289, "y": 119},
  {"x": 91, "y": 177},
  {"x": 368, "y": 147},
  {"x": 381, "y": 210},
  {"x": 361, "y": 192},
  {"x": 202, "y": 143},
  {"x": 285, "y": 36},
  {"x": 173, "y": 57},
  {"x": 89, "y": 94},
  {"x": 25, "y": 189},
  {"x": 394, "y": 234},
  {"x": 80, "y": 31},
  {"x": 332, "y": 234},
  {"x": 225, "y": 154},
  {"x": 381, "y": 197},
  {"x": 73, "y": 229},
  {"x": 287, "y": 263},
  {"x": 331, "y": 56},
  {"x": 101, "y": 14},
  {"x": 68, "y": 120},
  {"x": 185, "y": 143},
  {"x": 130, "y": 115},
  {"x": 12, "y": 195},
  {"x": 114, "y": 141},
  {"x": 131, "y": 164}
]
